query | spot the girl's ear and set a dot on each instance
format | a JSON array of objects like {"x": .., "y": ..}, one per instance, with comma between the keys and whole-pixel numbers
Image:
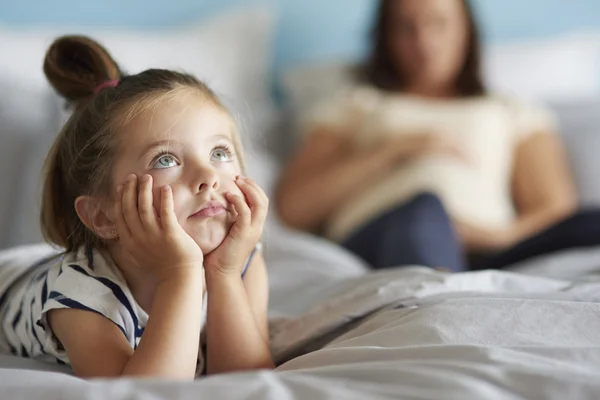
[{"x": 94, "y": 218}]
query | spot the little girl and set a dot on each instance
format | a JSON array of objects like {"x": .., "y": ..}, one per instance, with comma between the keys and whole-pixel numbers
[{"x": 144, "y": 190}]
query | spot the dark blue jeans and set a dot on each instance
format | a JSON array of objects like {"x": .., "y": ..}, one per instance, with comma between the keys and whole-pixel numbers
[
  {"x": 421, "y": 233},
  {"x": 580, "y": 230},
  {"x": 416, "y": 233}
]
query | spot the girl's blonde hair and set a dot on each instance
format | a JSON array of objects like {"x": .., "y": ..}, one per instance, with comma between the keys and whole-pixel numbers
[{"x": 79, "y": 163}]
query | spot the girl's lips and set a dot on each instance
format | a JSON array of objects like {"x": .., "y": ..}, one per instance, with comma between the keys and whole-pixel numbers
[{"x": 212, "y": 209}]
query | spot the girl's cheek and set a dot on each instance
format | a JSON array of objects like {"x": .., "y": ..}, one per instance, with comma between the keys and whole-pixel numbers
[
  {"x": 233, "y": 188},
  {"x": 228, "y": 182},
  {"x": 231, "y": 168}
]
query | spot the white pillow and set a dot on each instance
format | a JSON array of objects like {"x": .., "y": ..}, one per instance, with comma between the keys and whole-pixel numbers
[
  {"x": 13, "y": 146},
  {"x": 231, "y": 52},
  {"x": 560, "y": 68},
  {"x": 580, "y": 127},
  {"x": 25, "y": 117},
  {"x": 305, "y": 85}
]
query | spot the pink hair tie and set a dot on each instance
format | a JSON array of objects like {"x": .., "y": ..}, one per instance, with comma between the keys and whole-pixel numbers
[{"x": 106, "y": 84}]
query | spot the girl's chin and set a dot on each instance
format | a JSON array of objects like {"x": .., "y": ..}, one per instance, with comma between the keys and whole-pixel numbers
[
  {"x": 208, "y": 248},
  {"x": 208, "y": 242}
]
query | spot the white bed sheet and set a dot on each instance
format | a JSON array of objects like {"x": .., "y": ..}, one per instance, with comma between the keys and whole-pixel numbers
[{"x": 494, "y": 336}]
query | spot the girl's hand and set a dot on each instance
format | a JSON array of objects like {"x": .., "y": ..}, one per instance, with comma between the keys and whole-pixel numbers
[
  {"x": 230, "y": 257},
  {"x": 158, "y": 244}
]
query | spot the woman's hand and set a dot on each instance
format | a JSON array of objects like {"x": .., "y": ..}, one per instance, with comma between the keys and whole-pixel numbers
[
  {"x": 230, "y": 257},
  {"x": 159, "y": 245},
  {"x": 442, "y": 144},
  {"x": 415, "y": 146},
  {"x": 487, "y": 241}
]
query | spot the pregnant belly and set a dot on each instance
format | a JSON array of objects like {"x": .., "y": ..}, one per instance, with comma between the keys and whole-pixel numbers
[{"x": 466, "y": 192}]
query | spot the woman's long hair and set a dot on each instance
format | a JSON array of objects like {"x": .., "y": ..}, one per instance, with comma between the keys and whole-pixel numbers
[{"x": 379, "y": 70}]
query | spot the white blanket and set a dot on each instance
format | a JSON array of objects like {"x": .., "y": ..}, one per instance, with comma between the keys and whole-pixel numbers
[
  {"x": 417, "y": 291},
  {"x": 411, "y": 333}
]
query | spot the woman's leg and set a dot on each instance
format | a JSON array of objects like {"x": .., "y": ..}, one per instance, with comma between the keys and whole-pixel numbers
[
  {"x": 579, "y": 230},
  {"x": 416, "y": 233}
]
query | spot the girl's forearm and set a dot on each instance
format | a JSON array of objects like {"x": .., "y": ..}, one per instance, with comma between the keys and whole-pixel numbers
[
  {"x": 169, "y": 346},
  {"x": 234, "y": 341}
]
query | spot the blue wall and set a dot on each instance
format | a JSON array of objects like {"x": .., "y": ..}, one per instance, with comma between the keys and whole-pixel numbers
[{"x": 308, "y": 29}]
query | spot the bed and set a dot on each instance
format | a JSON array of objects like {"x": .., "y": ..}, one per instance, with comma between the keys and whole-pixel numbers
[
  {"x": 338, "y": 330},
  {"x": 410, "y": 333}
]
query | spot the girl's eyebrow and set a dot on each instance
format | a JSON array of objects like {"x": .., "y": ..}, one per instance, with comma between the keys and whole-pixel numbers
[
  {"x": 156, "y": 145},
  {"x": 162, "y": 144},
  {"x": 222, "y": 136}
]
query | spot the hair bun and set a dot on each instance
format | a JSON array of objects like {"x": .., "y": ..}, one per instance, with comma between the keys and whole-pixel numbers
[{"x": 75, "y": 65}]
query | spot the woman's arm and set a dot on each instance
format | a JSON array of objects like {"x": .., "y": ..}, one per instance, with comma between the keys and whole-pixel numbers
[
  {"x": 328, "y": 170},
  {"x": 543, "y": 188},
  {"x": 237, "y": 331},
  {"x": 168, "y": 349},
  {"x": 543, "y": 193}
]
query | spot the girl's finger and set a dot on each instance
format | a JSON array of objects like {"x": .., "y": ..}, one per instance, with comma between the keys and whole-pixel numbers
[
  {"x": 167, "y": 209},
  {"x": 257, "y": 199},
  {"x": 130, "y": 209},
  {"x": 242, "y": 209},
  {"x": 259, "y": 190},
  {"x": 119, "y": 219},
  {"x": 145, "y": 206}
]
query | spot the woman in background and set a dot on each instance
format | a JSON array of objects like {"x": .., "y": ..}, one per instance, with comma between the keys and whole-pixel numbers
[{"x": 419, "y": 164}]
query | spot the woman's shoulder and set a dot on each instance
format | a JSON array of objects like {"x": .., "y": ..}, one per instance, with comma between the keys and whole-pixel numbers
[
  {"x": 527, "y": 115},
  {"x": 515, "y": 103}
]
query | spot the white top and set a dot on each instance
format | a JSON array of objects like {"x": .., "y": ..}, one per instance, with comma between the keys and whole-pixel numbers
[
  {"x": 67, "y": 281},
  {"x": 71, "y": 281},
  {"x": 476, "y": 192}
]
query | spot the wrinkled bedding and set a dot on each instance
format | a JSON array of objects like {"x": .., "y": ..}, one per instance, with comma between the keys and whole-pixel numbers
[{"x": 341, "y": 332}]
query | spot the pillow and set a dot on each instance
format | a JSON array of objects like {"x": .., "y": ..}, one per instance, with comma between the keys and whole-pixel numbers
[
  {"x": 216, "y": 50},
  {"x": 560, "y": 68},
  {"x": 13, "y": 145},
  {"x": 580, "y": 127},
  {"x": 303, "y": 87},
  {"x": 25, "y": 115},
  {"x": 24, "y": 211}
]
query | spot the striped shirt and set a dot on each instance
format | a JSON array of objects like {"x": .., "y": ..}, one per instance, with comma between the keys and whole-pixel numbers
[{"x": 70, "y": 281}]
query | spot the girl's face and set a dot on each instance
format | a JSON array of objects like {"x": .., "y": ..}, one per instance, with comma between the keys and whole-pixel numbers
[{"x": 187, "y": 143}]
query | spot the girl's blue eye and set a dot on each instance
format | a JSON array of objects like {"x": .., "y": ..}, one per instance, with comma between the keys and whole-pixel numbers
[
  {"x": 221, "y": 155},
  {"x": 165, "y": 161}
]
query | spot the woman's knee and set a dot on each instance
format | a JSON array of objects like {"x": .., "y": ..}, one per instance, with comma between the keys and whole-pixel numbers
[
  {"x": 426, "y": 207},
  {"x": 428, "y": 222},
  {"x": 423, "y": 231},
  {"x": 421, "y": 219}
]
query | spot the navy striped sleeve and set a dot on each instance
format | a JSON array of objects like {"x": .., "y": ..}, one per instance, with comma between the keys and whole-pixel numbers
[{"x": 249, "y": 260}]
